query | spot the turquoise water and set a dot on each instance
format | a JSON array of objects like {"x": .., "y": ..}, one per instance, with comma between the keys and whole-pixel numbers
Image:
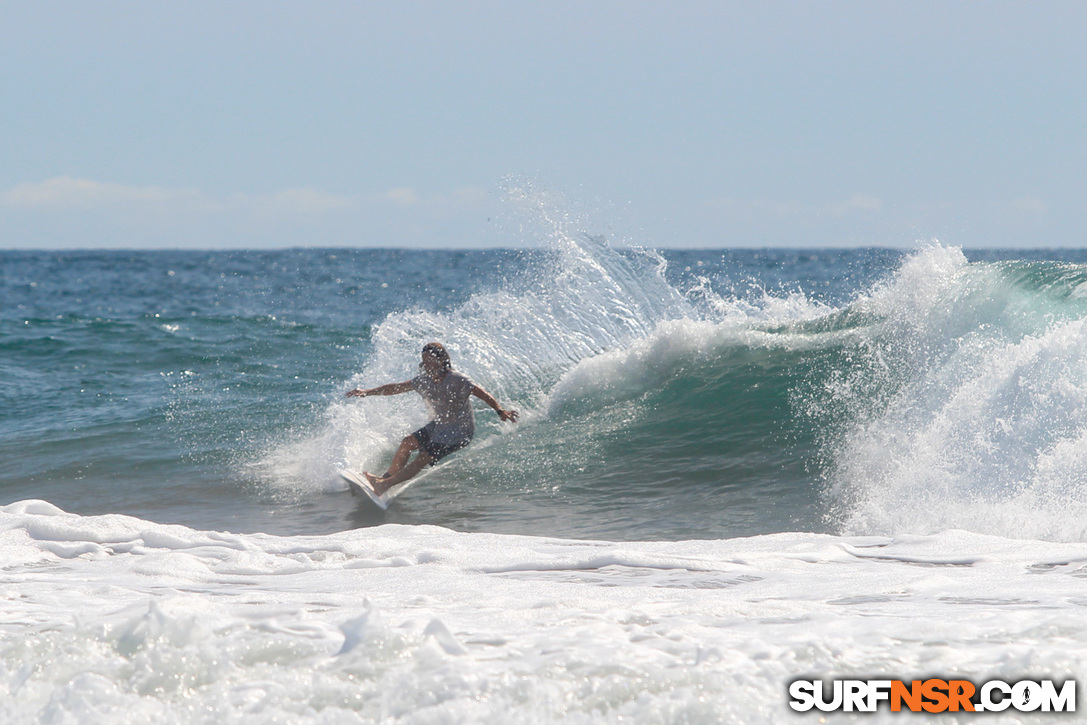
[{"x": 672, "y": 395}]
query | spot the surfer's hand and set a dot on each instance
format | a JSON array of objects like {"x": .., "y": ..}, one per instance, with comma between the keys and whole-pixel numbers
[
  {"x": 357, "y": 393},
  {"x": 509, "y": 415}
]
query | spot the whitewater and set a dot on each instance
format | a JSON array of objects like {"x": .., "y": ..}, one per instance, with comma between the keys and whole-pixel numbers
[
  {"x": 113, "y": 618},
  {"x": 734, "y": 470}
]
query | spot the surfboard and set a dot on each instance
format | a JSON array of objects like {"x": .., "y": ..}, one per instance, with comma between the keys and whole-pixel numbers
[{"x": 359, "y": 485}]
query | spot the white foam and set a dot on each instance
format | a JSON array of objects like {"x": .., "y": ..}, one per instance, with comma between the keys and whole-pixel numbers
[
  {"x": 421, "y": 624},
  {"x": 978, "y": 419}
]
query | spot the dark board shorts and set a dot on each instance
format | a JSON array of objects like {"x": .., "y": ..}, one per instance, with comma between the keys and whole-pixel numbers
[{"x": 436, "y": 451}]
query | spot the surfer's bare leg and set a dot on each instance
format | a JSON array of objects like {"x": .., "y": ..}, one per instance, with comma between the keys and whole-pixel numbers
[
  {"x": 400, "y": 459},
  {"x": 381, "y": 485}
]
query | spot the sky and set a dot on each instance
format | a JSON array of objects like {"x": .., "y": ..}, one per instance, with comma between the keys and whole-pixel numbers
[{"x": 213, "y": 125}]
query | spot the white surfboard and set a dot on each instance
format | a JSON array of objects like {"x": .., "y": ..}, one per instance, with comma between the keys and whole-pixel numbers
[{"x": 359, "y": 485}]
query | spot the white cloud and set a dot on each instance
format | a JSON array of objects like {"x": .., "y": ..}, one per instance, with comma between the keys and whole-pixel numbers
[
  {"x": 65, "y": 192},
  {"x": 103, "y": 213},
  {"x": 403, "y": 197},
  {"x": 68, "y": 193}
]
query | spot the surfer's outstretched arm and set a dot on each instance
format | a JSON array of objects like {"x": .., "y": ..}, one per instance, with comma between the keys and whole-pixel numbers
[
  {"x": 387, "y": 389},
  {"x": 507, "y": 415}
]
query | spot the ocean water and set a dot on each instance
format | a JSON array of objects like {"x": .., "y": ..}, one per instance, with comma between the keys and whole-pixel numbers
[{"x": 734, "y": 468}]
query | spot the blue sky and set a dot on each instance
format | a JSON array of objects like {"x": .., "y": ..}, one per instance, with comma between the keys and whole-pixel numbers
[{"x": 664, "y": 124}]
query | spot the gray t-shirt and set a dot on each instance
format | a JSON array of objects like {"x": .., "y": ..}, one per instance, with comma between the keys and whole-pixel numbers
[{"x": 449, "y": 406}]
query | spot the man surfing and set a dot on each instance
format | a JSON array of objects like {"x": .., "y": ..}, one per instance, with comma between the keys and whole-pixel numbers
[{"x": 452, "y": 425}]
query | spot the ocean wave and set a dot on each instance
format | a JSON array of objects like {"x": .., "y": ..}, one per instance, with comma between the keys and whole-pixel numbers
[{"x": 947, "y": 394}]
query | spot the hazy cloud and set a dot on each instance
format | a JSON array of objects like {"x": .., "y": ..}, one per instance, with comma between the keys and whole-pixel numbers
[
  {"x": 65, "y": 192},
  {"x": 68, "y": 193},
  {"x": 118, "y": 215},
  {"x": 402, "y": 197}
]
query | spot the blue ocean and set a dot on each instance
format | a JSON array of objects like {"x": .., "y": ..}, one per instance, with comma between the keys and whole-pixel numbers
[{"x": 733, "y": 468}]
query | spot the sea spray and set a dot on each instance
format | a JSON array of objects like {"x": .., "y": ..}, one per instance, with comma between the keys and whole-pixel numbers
[
  {"x": 582, "y": 299},
  {"x": 964, "y": 404},
  {"x": 630, "y": 390}
]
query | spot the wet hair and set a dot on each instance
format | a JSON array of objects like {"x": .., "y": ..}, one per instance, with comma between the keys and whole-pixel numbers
[{"x": 438, "y": 350}]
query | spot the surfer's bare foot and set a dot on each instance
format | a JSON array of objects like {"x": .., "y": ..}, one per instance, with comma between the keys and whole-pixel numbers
[{"x": 377, "y": 483}]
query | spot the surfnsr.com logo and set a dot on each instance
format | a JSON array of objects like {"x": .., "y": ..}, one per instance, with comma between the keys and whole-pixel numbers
[{"x": 933, "y": 695}]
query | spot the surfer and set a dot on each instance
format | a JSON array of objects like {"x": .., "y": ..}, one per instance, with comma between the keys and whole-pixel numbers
[{"x": 446, "y": 393}]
